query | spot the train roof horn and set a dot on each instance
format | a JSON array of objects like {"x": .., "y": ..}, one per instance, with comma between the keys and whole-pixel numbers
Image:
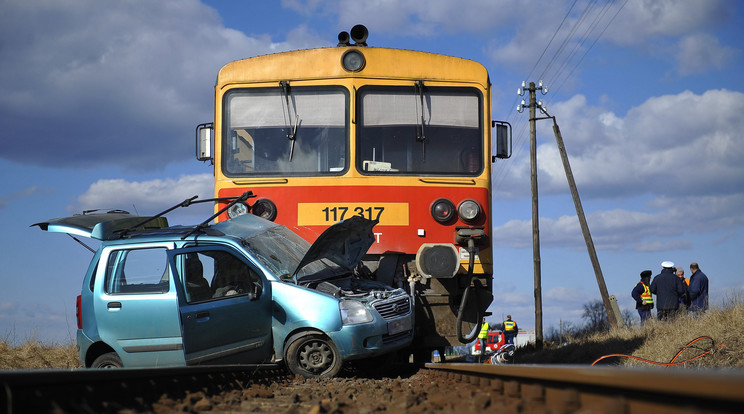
[{"x": 358, "y": 35}]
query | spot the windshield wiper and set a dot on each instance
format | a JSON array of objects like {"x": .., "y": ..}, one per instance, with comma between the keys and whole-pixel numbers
[
  {"x": 291, "y": 129},
  {"x": 201, "y": 226},
  {"x": 420, "y": 137}
]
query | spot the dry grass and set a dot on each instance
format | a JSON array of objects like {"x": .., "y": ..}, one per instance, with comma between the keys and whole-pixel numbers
[
  {"x": 659, "y": 342},
  {"x": 36, "y": 355}
]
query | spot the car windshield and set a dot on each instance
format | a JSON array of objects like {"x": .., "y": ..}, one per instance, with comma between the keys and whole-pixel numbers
[
  {"x": 280, "y": 250},
  {"x": 285, "y": 130},
  {"x": 419, "y": 130}
]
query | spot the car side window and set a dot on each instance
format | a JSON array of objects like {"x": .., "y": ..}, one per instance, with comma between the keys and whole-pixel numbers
[
  {"x": 215, "y": 274},
  {"x": 137, "y": 271}
]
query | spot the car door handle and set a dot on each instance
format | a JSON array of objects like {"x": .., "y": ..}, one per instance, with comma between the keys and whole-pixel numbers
[
  {"x": 114, "y": 305},
  {"x": 202, "y": 315}
]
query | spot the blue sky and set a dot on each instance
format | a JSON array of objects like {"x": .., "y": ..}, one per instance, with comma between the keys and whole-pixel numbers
[{"x": 100, "y": 99}]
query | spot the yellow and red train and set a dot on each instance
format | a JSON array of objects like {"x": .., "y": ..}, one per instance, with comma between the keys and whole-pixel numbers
[{"x": 399, "y": 136}]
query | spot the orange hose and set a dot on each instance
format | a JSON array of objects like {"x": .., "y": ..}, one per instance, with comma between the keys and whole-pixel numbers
[{"x": 671, "y": 362}]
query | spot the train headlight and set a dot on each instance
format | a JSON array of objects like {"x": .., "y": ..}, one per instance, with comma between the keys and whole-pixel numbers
[
  {"x": 237, "y": 209},
  {"x": 469, "y": 211},
  {"x": 265, "y": 209},
  {"x": 442, "y": 210},
  {"x": 353, "y": 60}
]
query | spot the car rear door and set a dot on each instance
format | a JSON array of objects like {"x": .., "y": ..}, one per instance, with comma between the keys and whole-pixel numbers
[
  {"x": 225, "y": 306},
  {"x": 136, "y": 305}
]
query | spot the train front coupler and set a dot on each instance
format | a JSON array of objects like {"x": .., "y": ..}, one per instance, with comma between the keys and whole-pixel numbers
[{"x": 471, "y": 237}]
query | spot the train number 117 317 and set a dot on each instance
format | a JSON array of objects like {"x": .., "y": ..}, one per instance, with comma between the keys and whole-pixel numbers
[{"x": 334, "y": 214}]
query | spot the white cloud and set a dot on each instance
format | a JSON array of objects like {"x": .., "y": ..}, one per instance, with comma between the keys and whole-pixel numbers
[
  {"x": 671, "y": 145},
  {"x": 20, "y": 195},
  {"x": 641, "y": 20},
  {"x": 147, "y": 197},
  {"x": 700, "y": 52},
  {"x": 662, "y": 227}
]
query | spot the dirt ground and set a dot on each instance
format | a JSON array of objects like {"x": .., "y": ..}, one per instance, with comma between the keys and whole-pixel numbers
[{"x": 419, "y": 391}]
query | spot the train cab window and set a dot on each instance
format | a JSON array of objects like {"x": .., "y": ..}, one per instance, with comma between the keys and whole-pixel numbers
[
  {"x": 285, "y": 130},
  {"x": 419, "y": 130}
]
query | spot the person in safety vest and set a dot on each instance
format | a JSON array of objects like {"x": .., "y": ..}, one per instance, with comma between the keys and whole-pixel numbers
[
  {"x": 510, "y": 330},
  {"x": 483, "y": 336},
  {"x": 642, "y": 295}
]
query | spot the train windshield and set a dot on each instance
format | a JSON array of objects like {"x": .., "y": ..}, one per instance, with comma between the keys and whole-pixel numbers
[
  {"x": 419, "y": 130},
  {"x": 286, "y": 130}
]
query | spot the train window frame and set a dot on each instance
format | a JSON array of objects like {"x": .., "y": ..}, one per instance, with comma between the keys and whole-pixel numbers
[
  {"x": 373, "y": 167},
  {"x": 226, "y": 155}
]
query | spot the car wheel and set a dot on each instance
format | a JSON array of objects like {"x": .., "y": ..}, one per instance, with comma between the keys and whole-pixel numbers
[
  {"x": 108, "y": 360},
  {"x": 312, "y": 355}
]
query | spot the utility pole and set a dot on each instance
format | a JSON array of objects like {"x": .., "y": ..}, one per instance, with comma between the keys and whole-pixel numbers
[
  {"x": 535, "y": 213},
  {"x": 612, "y": 315}
]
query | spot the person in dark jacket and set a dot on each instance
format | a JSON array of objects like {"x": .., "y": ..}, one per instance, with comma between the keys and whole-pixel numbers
[
  {"x": 668, "y": 289},
  {"x": 685, "y": 300},
  {"x": 642, "y": 295},
  {"x": 698, "y": 289},
  {"x": 510, "y": 330}
]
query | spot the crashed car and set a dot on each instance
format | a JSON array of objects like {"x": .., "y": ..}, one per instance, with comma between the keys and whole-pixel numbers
[{"x": 243, "y": 291}]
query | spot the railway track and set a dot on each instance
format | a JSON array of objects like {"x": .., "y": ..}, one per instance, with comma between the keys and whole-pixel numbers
[
  {"x": 569, "y": 389},
  {"x": 442, "y": 387},
  {"x": 114, "y": 390}
]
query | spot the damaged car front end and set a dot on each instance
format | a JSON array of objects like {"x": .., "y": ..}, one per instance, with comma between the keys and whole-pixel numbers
[{"x": 319, "y": 289}]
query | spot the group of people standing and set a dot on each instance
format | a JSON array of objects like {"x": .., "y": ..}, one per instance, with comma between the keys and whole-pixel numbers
[
  {"x": 509, "y": 327},
  {"x": 674, "y": 292}
]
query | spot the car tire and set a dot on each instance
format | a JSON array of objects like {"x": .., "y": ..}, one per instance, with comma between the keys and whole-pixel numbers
[
  {"x": 107, "y": 360},
  {"x": 312, "y": 355}
]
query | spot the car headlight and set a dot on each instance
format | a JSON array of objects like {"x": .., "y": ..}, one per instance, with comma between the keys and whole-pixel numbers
[{"x": 353, "y": 312}]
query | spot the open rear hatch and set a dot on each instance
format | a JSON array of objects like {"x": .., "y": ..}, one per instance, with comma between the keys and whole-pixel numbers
[{"x": 102, "y": 226}]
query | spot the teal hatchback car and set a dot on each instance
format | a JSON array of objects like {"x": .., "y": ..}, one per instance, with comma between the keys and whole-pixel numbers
[{"x": 243, "y": 291}]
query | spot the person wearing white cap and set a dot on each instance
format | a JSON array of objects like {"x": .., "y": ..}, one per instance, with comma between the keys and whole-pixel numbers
[{"x": 668, "y": 289}]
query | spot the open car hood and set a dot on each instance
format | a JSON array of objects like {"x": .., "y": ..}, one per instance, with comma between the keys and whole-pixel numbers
[
  {"x": 100, "y": 226},
  {"x": 344, "y": 243}
]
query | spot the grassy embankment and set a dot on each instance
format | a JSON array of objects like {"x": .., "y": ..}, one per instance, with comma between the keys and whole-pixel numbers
[
  {"x": 658, "y": 341},
  {"x": 34, "y": 354}
]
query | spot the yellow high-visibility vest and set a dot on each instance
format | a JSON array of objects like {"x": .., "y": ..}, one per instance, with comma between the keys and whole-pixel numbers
[
  {"x": 646, "y": 298},
  {"x": 509, "y": 325},
  {"x": 484, "y": 331}
]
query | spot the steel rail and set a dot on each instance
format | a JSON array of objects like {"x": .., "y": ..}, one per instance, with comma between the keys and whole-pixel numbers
[
  {"x": 111, "y": 390},
  {"x": 569, "y": 388}
]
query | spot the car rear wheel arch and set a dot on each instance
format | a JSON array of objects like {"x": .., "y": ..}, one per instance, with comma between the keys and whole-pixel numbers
[
  {"x": 95, "y": 351},
  {"x": 109, "y": 360}
]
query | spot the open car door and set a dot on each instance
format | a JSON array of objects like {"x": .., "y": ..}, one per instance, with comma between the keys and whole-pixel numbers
[{"x": 225, "y": 307}]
